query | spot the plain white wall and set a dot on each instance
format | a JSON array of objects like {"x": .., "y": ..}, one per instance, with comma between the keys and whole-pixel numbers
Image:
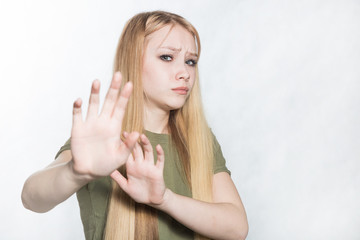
[{"x": 280, "y": 82}]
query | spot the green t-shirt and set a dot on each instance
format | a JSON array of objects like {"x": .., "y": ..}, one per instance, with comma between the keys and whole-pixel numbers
[{"x": 93, "y": 198}]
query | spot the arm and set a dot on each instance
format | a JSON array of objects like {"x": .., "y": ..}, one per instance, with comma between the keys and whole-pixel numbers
[
  {"x": 224, "y": 218},
  {"x": 96, "y": 150},
  {"x": 47, "y": 188}
]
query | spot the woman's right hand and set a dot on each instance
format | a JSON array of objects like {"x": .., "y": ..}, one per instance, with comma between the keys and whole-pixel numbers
[{"x": 96, "y": 145}]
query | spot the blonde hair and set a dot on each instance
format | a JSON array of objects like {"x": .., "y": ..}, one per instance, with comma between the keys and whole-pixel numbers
[{"x": 189, "y": 130}]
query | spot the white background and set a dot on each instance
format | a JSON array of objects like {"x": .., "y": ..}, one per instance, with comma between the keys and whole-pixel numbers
[{"x": 280, "y": 82}]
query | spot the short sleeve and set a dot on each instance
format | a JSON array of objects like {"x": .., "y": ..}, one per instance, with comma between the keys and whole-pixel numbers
[
  {"x": 219, "y": 160},
  {"x": 66, "y": 146}
]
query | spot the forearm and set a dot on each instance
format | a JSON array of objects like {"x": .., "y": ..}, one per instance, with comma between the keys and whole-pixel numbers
[
  {"x": 214, "y": 220},
  {"x": 47, "y": 188}
]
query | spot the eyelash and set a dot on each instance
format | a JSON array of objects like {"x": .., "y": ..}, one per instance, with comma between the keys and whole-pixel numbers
[{"x": 165, "y": 58}]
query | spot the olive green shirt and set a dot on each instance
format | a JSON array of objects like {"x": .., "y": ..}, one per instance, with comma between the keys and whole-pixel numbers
[{"x": 93, "y": 198}]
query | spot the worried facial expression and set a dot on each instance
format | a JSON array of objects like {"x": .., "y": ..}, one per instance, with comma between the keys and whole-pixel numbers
[{"x": 169, "y": 68}]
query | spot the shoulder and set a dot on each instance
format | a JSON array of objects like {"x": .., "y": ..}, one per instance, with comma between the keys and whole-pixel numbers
[{"x": 219, "y": 160}]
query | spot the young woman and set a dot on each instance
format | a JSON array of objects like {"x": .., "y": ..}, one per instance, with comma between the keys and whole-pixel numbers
[{"x": 147, "y": 166}]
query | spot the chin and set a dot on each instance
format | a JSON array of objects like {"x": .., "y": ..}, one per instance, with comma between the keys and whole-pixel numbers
[{"x": 175, "y": 106}]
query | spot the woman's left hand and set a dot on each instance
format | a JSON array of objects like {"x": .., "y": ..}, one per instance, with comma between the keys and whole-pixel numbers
[{"x": 145, "y": 181}]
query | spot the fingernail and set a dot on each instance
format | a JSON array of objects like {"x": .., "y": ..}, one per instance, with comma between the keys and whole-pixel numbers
[{"x": 117, "y": 76}]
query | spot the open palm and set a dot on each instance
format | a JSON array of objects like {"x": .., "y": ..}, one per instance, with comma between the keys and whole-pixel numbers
[
  {"x": 145, "y": 181},
  {"x": 96, "y": 144}
]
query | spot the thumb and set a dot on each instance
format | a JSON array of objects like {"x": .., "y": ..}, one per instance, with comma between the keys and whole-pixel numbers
[{"x": 120, "y": 179}]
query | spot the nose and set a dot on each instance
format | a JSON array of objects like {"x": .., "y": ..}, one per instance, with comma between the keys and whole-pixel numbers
[{"x": 182, "y": 73}]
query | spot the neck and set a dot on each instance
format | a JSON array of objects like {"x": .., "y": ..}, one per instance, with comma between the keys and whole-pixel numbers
[{"x": 156, "y": 120}]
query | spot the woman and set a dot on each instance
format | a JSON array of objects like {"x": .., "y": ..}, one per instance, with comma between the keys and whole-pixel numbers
[{"x": 187, "y": 191}]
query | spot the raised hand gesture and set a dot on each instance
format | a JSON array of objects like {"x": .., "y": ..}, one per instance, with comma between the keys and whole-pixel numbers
[
  {"x": 145, "y": 181},
  {"x": 96, "y": 146}
]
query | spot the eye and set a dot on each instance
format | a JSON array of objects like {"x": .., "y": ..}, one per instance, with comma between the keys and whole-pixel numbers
[
  {"x": 166, "y": 58},
  {"x": 191, "y": 62}
]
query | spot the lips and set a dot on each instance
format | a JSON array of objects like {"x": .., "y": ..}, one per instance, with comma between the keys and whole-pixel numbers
[{"x": 181, "y": 90}]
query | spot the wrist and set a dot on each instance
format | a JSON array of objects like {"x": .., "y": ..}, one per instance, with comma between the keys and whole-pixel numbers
[
  {"x": 76, "y": 176},
  {"x": 167, "y": 199}
]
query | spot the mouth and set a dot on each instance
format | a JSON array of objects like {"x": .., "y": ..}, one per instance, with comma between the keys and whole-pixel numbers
[{"x": 181, "y": 90}]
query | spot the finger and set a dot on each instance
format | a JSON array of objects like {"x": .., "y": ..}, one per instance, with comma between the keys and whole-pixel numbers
[
  {"x": 148, "y": 150},
  {"x": 160, "y": 157},
  {"x": 93, "y": 108},
  {"x": 138, "y": 153},
  {"x": 112, "y": 95},
  {"x": 120, "y": 179},
  {"x": 130, "y": 159},
  {"x": 128, "y": 144},
  {"x": 131, "y": 156},
  {"x": 125, "y": 134},
  {"x": 122, "y": 101},
  {"x": 77, "y": 115}
]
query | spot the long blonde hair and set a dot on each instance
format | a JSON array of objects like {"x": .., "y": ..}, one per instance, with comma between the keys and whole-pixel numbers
[{"x": 190, "y": 133}]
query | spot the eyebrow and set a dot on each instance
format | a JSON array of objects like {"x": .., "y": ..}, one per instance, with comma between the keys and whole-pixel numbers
[{"x": 178, "y": 50}]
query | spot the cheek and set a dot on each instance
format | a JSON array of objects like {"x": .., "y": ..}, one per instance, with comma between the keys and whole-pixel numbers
[
  {"x": 147, "y": 75},
  {"x": 192, "y": 78},
  {"x": 146, "y": 80},
  {"x": 152, "y": 71}
]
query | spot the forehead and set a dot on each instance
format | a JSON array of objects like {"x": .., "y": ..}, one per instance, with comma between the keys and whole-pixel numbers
[{"x": 174, "y": 36}]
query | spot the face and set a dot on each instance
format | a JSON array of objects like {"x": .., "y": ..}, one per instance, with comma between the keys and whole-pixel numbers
[{"x": 169, "y": 68}]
